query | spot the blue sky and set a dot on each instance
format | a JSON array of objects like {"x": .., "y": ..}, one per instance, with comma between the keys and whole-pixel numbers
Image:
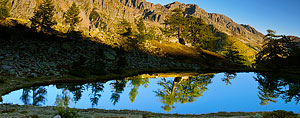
[{"x": 283, "y": 16}]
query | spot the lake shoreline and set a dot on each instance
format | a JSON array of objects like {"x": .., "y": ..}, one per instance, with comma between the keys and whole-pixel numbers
[
  {"x": 10, "y": 110},
  {"x": 18, "y": 83},
  {"x": 10, "y": 84}
]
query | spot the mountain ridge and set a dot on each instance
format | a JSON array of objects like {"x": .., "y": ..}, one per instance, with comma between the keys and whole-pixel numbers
[{"x": 111, "y": 11}]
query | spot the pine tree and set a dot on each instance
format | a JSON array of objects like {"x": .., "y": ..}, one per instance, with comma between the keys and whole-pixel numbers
[
  {"x": 232, "y": 54},
  {"x": 128, "y": 35},
  {"x": 43, "y": 17},
  {"x": 176, "y": 25},
  {"x": 200, "y": 34},
  {"x": 72, "y": 16},
  {"x": 194, "y": 25},
  {"x": 276, "y": 50},
  {"x": 125, "y": 28},
  {"x": 4, "y": 10},
  {"x": 141, "y": 26}
]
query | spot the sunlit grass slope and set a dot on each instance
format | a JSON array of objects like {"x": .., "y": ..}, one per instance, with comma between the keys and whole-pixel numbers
[
  {"x": 177, "y": 50},
  {"x": 248, "y": 52}
]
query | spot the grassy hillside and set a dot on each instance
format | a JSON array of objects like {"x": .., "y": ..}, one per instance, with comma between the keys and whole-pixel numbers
[{"x": 246, "y": 51}]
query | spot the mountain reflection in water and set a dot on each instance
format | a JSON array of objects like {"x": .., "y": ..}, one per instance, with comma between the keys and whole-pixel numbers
[{"x": 174, "y": 93}]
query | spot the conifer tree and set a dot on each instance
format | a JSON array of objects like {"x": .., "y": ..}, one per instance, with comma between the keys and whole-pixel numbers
[
  {"x": 200, "y": 34},
  {"x": 125, "y": 28},
  {"x": 72, "y": 16},
  {"x": 232, "y": 54},
  {"x": 4, "y": 10},
  {"x": 176, "y": 24},
  {"x": 194, "y": 25},
  {"x": 43, "y": 17},
  {"x": 276, "y": 50},
  {"x": 141, "y": 26}
]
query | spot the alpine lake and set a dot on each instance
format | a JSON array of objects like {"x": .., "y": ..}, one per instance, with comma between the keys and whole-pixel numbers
[{"x": 182, "y": 93}]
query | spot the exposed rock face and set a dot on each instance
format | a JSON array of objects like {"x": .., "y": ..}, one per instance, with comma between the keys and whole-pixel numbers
[{"x": 111, "y": 11}]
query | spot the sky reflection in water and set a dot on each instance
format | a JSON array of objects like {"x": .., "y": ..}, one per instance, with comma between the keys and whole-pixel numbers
[{"x": 194, "y": 95}]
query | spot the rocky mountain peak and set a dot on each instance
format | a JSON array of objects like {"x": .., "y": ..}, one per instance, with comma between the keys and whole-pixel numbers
[{"x": 111, "y": 11}]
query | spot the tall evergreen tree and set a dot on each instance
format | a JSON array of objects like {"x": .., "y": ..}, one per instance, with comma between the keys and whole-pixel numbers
[
  {"x": 4, "y": 10},
  {"x": 72, "y": 16},
  {"x": 176, "y": 24},
  {"x": 194, "y": 25},
  {"x": 200, "y": 34},
  {"x": 276, "y": 50},
  {"x": 43, "y": 17}
]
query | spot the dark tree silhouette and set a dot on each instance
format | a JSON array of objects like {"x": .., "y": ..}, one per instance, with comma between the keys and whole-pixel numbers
[
  {"x": 118, "y": 87},
  {"x": 43, "y": 17},
  {"x": 95, "y": 95},
  {"x": 38, "y": 95},
  {"x": 274, "y": 85},
  {"x": 25, "y": 96},
  {"x": 77, "y": 90},
  {"x": 276, "y": 51},
  {"x": 267, "y": 90}
]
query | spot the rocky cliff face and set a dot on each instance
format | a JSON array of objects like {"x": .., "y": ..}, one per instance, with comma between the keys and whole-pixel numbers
[{"x": 111, "y": 11}]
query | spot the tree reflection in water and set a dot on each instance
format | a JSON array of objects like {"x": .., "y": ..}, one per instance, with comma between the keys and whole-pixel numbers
[
  {"x": 136, "y": 82},
  {"x": 273, "y": 85},
  {"x": 63, "y": 100},
  {"x": 38, "y": 96},
  {"x": 182, "y": 89},
  {"x": 95, "y": 95},
  {"x": 171, "y": 91},
  {"x": 117, "y": 88},
  {"x": 228, "y": 76},
  {"x": 77, "y": 89}
]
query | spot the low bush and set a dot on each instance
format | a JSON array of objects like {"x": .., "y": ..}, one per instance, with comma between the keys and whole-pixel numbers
[
  {"x": 280, "y": 114},
  {"x": 67, "y": 112}
]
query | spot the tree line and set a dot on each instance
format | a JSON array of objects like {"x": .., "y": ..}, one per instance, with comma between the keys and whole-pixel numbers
[
  {"x": 43, "y": 19},
  {"x": 184, "y": 28}
]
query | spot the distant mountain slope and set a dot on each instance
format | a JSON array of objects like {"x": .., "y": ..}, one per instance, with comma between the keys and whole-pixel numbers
[
  {"x": 111, "y": 11},
  {"x": 294, "y": 38}
]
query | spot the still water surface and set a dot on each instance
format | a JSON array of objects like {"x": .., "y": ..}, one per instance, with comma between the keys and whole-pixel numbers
[{"x": 204, "y": 93}]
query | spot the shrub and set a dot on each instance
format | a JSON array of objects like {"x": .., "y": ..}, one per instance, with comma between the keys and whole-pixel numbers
[
  {"x": 280, "y": 114},
  {"x": 67, "y": 112}
]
